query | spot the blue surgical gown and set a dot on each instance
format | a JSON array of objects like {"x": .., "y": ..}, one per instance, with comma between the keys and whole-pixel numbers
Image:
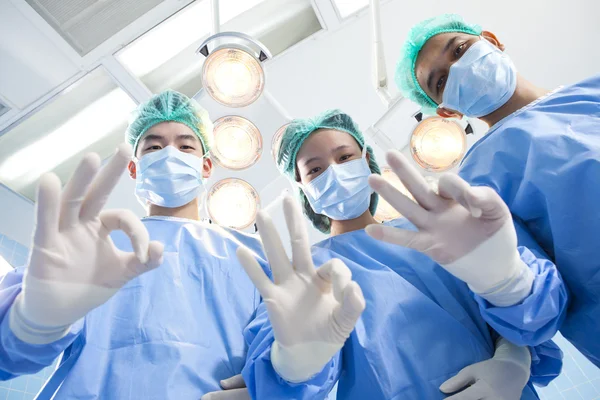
[
  {"x": 421, "y": 326},
  {"x": 544, "y": 161},
  {"x": 171, "y": 333}
]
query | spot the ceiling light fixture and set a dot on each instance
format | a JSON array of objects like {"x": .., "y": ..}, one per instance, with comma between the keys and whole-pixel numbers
[{"x": 233, "y": 73}]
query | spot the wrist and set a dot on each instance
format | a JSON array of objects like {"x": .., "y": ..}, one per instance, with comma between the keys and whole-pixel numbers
[
  {"x": 30, "y": 332},
  {"x": 299, "y": 363}
]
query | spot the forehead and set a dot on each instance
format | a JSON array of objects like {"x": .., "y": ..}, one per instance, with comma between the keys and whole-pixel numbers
[
  {"x": 169, "y": 129},
  {"x": 323, "y": 140}
]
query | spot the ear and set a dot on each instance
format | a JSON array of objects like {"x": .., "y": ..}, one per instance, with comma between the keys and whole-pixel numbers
[
  {"x": 207, "y": 167},
  {"x": 368, "y": 157},
  {"x": 132, "y": 170},
  {"x": 446, "y": 113},
  {"x": 490, "y": 37}
]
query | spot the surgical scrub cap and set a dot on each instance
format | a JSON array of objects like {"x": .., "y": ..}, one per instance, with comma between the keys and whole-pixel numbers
[
  {"x": 405, "y": 77},
  {"x": 170, "y": 106},
  {"x": 291, "y": 142}
]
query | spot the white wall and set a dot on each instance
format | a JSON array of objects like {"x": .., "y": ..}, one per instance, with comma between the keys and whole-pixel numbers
[{"x": 552, "y": 42}]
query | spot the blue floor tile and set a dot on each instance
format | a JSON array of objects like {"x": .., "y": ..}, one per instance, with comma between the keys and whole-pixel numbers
[
  {"x": 14, "y": 395},
  {"x": 3, "y": 393},
  {"x": 19, "y": 383},
  {"x": 588, "y": 391}
]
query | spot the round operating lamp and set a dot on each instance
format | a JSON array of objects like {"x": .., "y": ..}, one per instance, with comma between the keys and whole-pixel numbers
[
  {"x": 237, "y": 143},
  {"x": 233, "y": 203},
  {"x": 233, "y": 73},
  {"x": 438, "y": 144}
]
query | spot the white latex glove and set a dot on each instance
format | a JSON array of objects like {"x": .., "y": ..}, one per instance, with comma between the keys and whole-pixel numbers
[
  {"x": 468, "y": 230},
  {"x": 234, "y": 388},
  {"x": 502, "y": 377},
  {"x": 74, "y": 265},
  {"x": 312, "y": 311}
]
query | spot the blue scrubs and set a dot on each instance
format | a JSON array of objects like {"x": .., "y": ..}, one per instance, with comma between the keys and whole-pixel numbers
[
  {"x": 171, "y": 333},
  {"x": 544, "y": 161},
  {"x": 421, "y": 326}
]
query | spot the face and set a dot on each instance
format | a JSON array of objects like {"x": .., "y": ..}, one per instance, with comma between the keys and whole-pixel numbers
[
  {"x": 173, "y": 134},
  {"x": 438, "y": 55},
  {"x": 323, "y": 148}
]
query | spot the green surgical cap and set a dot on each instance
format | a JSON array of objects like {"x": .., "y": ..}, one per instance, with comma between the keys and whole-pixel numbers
[
  {"x": 406, "y": 78},
  {"x": 291, "y": 142},
  {"x": 170, "y": 106}
]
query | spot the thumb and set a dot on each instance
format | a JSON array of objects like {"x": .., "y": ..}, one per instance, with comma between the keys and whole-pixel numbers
[
  {"x": 346, "y": 315},
  {"x": 133, "y": 265},
  {"x": 235, "y": 382},
  {"x": 458, "y": 382}
]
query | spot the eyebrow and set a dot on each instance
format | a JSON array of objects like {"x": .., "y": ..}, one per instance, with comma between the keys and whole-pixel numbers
[{"x": 432, "y": 73}]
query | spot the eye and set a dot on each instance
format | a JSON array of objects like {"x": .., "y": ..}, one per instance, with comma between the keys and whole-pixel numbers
[
  {"x": 458, "y": 51},
  {"x": 440, "y": 83},
  {"x": 314, "y": 170},
  {"x": 155, "y": 147},
  {"x": 345, "y": 157},
  {"x": 186, "y": 147}
]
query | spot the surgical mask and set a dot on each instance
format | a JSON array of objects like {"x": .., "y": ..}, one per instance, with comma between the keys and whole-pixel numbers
[
  {"x": 169, "y": 178},
  {"x": 480, "y": 82},
  {"x": 342, "y": 192}
]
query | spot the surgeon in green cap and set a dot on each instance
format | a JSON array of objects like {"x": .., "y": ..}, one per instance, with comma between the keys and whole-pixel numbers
[
  {"x": 541, "y": 152},
  {"x": 133, "y": 322}
]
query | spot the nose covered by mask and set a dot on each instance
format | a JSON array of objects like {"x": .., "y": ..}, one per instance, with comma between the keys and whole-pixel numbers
[
  {"x": 342, "y": 192},
  {"x": 480, "y": 82},
  {"x": 169, "y": 178}
]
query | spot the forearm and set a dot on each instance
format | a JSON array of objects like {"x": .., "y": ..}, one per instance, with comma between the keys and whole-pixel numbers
[{"x": 16, "y": 356}]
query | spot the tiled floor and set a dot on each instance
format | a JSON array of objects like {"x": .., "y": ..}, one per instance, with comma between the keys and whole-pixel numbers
[{"x": 580, "y": 379}]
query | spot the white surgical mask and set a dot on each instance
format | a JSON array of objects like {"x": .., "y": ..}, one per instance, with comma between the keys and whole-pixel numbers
[
  {"x": 342, "y": 191},
  {"x": 169, "y": 178},
  {"x": 480, "y": 82}
]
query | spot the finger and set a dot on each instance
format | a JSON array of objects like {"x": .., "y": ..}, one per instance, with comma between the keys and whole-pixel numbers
[
  {"x": 452, "y": 186},
  {"x": 411, "y": 210},
  {"x": 126, "y": 221},
  {"x": 476, "y": 392},
  {"x": 234, "y": 394},
  {"x": 352, "y": 306},
  {"x": 47, "y": 210},
  {"x": 336, "y": 275},
  {"x": 401, "y": 237},
  {"x": 413, "y": 180},
  {"x": 459, "y": 381},
  {"x": 105, "y": 182},
  {"x": 255, "y": 272},
  {"x": 278, "y": 259},
  {"x": 488, "y": 201},
  {"x": 301, "y": 256},
  {"x": 75, "y": 189},
  {"x": 235, "y": 382},
  {"x": 133, "y": 265}
]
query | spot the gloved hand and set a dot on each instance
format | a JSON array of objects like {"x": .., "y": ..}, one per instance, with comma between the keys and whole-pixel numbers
[
  {"x": 234, "y": 388},
  {"x": 502, "y": 377},
  {"x": 74, "y": 265},
  {"x": 468, "y": 230},
  {"x": 312, "y": 311}
]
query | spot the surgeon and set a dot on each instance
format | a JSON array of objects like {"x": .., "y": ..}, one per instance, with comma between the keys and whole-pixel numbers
[
  {"x": 421, "y": 335},
  {"x": 541, "y": 153},
  {"x": 154, "y": 312}
]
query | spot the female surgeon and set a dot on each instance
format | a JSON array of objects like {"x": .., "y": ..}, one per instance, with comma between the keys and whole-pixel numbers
[{"x": 422, "y": 331}]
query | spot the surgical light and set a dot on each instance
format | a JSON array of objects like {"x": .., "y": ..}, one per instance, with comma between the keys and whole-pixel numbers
[
  {"x": 233, "y": 73},
  {"x": 438, "y": 144},
  {"x": 237, "y": 143},
  {"x": 276, "y": 142},
  {"x": 385, "y": 212},
  {"x": 233, "y": 203}
]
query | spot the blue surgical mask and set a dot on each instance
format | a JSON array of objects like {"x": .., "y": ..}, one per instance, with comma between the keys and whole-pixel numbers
[
  {"x": 169, "y": 178},
  {"x": 342, "y": 191},
  {"x": 480, "y": 82}
]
